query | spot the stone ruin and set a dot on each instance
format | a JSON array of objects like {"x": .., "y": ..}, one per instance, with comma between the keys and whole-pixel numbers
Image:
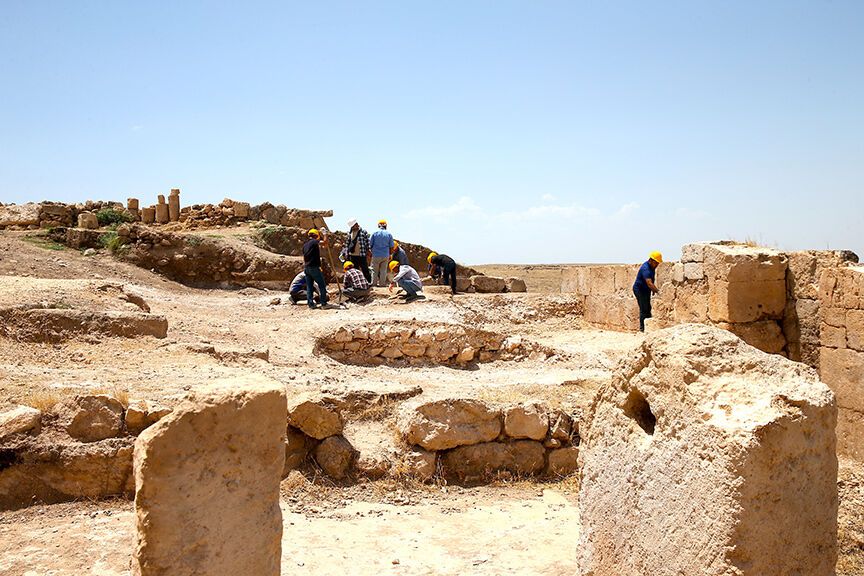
[
  {"x": 412, "y": 344},
  {"x": 706, "y": 456}
]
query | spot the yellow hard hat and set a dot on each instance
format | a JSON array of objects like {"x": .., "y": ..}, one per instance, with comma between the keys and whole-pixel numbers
[
  {"x": 313, "y": 232},
  {"x": 382, "y": 222},
  {"x": 431, "y": 255},
  {"x": 347, "y": 264},
  {"x": 393, "y": 265},
  {"x": 395, "y": 245},
  {"x": 656, "y": 256}
]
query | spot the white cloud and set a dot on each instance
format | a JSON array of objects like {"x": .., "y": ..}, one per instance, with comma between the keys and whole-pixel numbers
[
  {"x": 465, "y": 205},
  {"x": 626, "y": 209},
  {"x": 548, "y": 198},
  {"x": 547, "y": 212}
]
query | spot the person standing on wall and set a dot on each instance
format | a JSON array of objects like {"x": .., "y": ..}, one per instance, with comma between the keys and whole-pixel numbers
[
  {"x": 312, "y": 268},
  {"x": 380, "y": 244},
  {"x": 644, "y": 286},
  {"x": 357, "y": 248}
]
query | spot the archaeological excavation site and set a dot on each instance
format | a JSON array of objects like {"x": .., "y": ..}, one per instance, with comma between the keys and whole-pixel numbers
[{"x": 167, "y": 409}]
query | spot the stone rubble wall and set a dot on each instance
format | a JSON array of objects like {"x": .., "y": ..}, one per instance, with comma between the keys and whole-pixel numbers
[
  {"x": 412, "y": 343},
  {"x": 841, "y": 351},
  {"x": 80, "y": 448}
]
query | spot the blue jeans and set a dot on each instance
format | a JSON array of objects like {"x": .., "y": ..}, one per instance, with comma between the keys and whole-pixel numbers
[
  {"x": 409, "y": 287},
  {"x": 644, "y": 301},
  {"x": 313, "y": 273}
]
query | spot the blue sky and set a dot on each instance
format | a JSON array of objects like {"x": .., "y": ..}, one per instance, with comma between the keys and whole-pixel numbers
[{"x": 495, "y": 131}]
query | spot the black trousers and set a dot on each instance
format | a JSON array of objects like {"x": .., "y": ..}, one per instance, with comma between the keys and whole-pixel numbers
[
  {"x": 362, "y": 264},
  {"x": 450, "y": 277},
  {"x": 644, "y": 300}
]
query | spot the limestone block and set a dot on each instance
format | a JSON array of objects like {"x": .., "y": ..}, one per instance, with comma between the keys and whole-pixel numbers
[
  {"x": 132, "y": 204},
  {"x": 804, "y": 316},
  {"x": 832, "y": 336},
  {"x": 561, "y": 427},
  {"x": 88, "y": 220},
  {"x": 466, "y": 355},
  {"x": 335, "y": 456},
  {"x": 148, "y": 215},
  {"x": 413, "y": 349},
  {"x": 601, "y": 280},
  {"x": 526, "y": 421},
  {"x": 516, "y": 285},
  {"x": 625, "y": 275},
  {"x": 464, "y": 284},
  {"x": 679, "y": 463},
  {"x": 563, "y": 461},
  {"x": 575, "y": 279},
  {"x": 174, "y": 207},
  {"x": 694, "y": 271},
  {"x": 691, "y": 303},
  {"x": 843, "y": 371},
  {"x": 850, "y": 431},
  {"x": 444, "y": 424},
  {"x": 90, "y": 417},
  {"x": 678, "y": 273},
  {"x": 207, "y": 484},
  {"x": 296, "y": 450},
  {"x": 420, "y": 464},
  {"x": 833, "y": 316},
  {"x": 855, "y": 330},
  {"x": 162, "y": 216},
  {"x": 488, "y": 284},
  {"x": 766, "y": 335},
  {"x": 746, "y": 301},
  {"x": 136, "y": 417},
  {"x": 740, "y": 263},
  {"x": 313, "y": 416},
  {"x": 18, "y": 420},
  {"x": 479, "y": 462},
  {"x": 19, "y": 215},
  {"x": 694, "y": 252},
  {"x": 241, "y": 209}
]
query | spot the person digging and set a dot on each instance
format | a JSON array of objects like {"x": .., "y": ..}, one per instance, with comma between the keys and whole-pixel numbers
[{"x": 407, "y": 279}]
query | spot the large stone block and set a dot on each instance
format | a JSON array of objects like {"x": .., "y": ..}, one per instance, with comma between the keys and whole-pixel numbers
[
  {"x": 679, "y": 463},
  {"x": 766, "y": 335},
  {"x": 691, "y": 303},
  {"x": 19, "y": 215},
  {"x": 488, "y": 284},
  {"x": 315, "y": 417},
  {"x": 444, "y": 424},
  {"x": 855, "y": 330},
  {"x": 850, "y": 434},
  {"x": 832, "y": 336},
  {"x": 480, "y": 462},
  {"x": 740, "y": 263},
  {"x": 843, "y": 371},
  {"x": 694, "y": 252},
  {"x": 601, "y": 280},
  {"x": 575, "y": 279},
  {"x": 207, "y": 484},
  {"x": 746, "y": 301},
  {"x": 19, "y": 420},
  {"x": 526, "y": 421},
  {"x": 90, "y": 417}
]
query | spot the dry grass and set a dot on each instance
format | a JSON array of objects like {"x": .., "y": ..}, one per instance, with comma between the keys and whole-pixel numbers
[
  {"x": 43, "y": 400},
  {"x": 119, "y": 394}
]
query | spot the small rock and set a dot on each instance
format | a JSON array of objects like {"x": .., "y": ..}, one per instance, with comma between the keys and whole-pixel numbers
[
  {"x": 335, "y": 455},
  {"x": 89, "y": 252}
]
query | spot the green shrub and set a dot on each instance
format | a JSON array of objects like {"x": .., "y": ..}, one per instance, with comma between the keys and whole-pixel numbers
[
  {"x": 108, "y": 216},
  {"x": 111, "y": 241}
]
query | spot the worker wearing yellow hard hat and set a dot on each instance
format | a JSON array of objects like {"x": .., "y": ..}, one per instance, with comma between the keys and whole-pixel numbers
[
  {"x": 312, "y": 267},
  {"x": 406, "y": 278},
  {"x": 356, "y": 248},
  {"x": 443, "y": 267},
  {"x": 398, "y": 254},
  {"x": 380, "y": 244},
  {"x": 356, "y": 287},
  {"x": 644, "y": 286}
]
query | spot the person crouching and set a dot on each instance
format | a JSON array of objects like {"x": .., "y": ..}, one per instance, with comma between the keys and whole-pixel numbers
[
  {"x": 407, "y": 279},
  {"x": 356, "y": 288}
]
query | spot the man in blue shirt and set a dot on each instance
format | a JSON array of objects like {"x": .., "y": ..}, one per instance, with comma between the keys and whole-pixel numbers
[
  {"x": 644, "y": 286},
  {"x": 380, "y": 244}
]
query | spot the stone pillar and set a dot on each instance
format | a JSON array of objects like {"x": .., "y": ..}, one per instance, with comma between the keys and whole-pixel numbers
[
  {"x": 148, "y": 215},
  {"x": 88, "y": 220},
  {"x": 207, "y": 484},
  {"x": 162, "y": 211},
  {"x": 174, "y": 205},
  {"x": 706, "y": 456},
  {"x": 133, "y": 208}
]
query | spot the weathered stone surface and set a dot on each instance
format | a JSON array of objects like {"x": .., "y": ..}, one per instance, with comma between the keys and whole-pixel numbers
[
  {"x": 766, "y": 335},
  {"x": 691, "y": 303},
  {"x": 694, "y": 252},
  {"x": 63, "y": 472},
  {"x": 741, "y": 263},
  {"x": 143, "y": 413},
  {"x": 79, "y": 238},
  {"x": 679, "y": 464},
  {"x": 563, "y": 461},
  {"x": 420, "y": 464},
  {"x": 855, "y": 330},
  {"x": 19, "y": 419},
  {"x": 88, "y": 220},
  {"x": 57, "y": 324},
  {"x": 335, "y": 456},
  {"x": 90, "y": 417},
  {"x": 526, "y": 421},
  {"x": 313, "y": 416},
  {"x": 297, "y": 446},
  {"x": 832, "y": 336},
  {"x": 448, "y": 423},
  {"x": 746, "y": 301},
  {"x": 488, "y": 284},
  {"x": 19, "y": 215},
  {"x": 694, "y": 271},
  {"x": 516, "y": 285},
  {"x": 562, "y": 427},
  {"x": 207, "y": 484},
  {"x": 850, "y": 431},
  {"x": 479, "y": 462},
  {"x": 843, "y": 371}
]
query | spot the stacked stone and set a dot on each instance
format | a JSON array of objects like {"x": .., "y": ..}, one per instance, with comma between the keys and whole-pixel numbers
[
  {"x": 472, "y": 441},
  {"x": 174, "y": 205},
  {"x": 91, "y": 439},
  {"x": 431, "y": 343},
  {"x": 132, "y": 207},
  {"x": 841, "y": 352},
  {"x": 315, "y": 428},
  {"x": 226, "y": 213},
  {"x": 608, "y": 293},
  {"x": 287, "y": 216},
  {"x": 162, "y": 213}
]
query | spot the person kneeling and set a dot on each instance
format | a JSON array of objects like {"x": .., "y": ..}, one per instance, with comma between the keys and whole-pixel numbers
[
  {"x": 407, "y": 279},
  {"x": 356, "y": 287}
]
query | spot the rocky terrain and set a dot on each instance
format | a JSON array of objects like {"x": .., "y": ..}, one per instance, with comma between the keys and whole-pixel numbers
[{"x": 125, "y": 338}]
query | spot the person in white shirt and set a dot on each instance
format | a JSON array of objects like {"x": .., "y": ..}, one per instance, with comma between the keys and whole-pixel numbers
[{"x": 406, "y": 278}]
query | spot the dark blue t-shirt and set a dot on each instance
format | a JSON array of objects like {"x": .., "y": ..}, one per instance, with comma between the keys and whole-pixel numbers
[{"x": 645, "y": 273}]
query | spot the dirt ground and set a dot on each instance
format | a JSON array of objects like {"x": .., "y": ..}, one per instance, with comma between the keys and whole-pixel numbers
[{"x": 367, "y": 528}]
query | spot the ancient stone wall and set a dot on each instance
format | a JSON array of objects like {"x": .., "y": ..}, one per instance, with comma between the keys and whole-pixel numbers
[
  {"x": 412, "y": 343},
  {"x": 841, "y": 351}
]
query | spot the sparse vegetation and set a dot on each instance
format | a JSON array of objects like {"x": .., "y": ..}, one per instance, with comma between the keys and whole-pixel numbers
[
  {"x": 43, "y": 400},
  {"x": 111, "y": 241},
  {"x": 109, "y": 216},
  {"x": 42, "y": 241}
]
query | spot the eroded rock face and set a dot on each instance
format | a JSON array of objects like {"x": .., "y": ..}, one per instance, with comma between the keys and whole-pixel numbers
[
  {"x": 526, "y": 421},
  {"x": 448, "y": 423},
  {"x": 207, "y": 484},
  {"x": 91, "y": 417},
  {"x": 19, "y": 215},
  {"x": 488, "y": 284},
  {"x": 314, "y": 417},
  {"x": 335, "y": 456},
  {"x": 479, "y": 462},
  {"x": 706, "y": 456},
  {"x": 18, "y": 420}
]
